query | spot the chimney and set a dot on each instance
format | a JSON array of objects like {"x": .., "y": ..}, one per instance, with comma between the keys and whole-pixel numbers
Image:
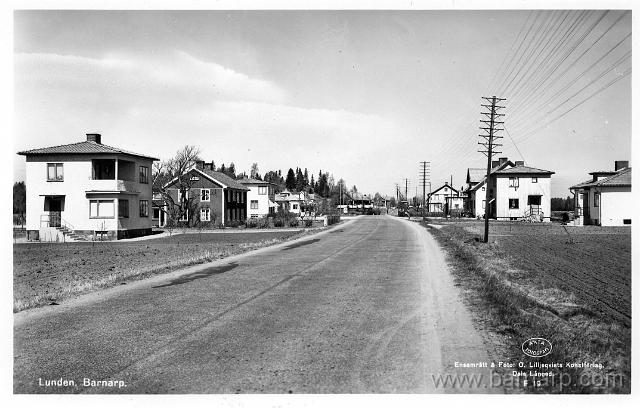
[
  {"x": 200, "y": 165},
  {"x": 622, "y": 164},
  {"x": 495, "y": 163},
  {"x": 446, "y": 183},
  {"x": 503, "y": 160},
  {"x": 519, "y": 163},
  {"x": 94, "y": 137}
]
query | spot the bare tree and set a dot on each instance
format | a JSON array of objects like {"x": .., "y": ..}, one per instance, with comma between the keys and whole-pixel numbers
[{"x": 174, "y": 175}]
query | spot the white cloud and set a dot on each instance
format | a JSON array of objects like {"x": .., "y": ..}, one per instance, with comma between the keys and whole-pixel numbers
[{"x": 156, "y": 105}]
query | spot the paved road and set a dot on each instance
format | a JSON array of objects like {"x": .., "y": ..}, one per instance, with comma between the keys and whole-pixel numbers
[{"x": 368, "y": 306}]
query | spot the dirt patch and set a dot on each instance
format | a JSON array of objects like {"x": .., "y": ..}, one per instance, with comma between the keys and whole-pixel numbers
[
  {"x": 536, "y": 282},
  {"x": 48, "y": 273}
]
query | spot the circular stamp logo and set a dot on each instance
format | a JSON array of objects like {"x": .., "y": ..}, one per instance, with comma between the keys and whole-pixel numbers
[{"x": 537, "y": 347}]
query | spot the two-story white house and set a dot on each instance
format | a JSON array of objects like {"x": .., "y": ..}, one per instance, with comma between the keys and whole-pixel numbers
[
  {"x": 606, "y": 198},
  {"x": 260, "y": 197},
  {"x": 87, "y": 189},
  {"x": 523, "y": 192}
]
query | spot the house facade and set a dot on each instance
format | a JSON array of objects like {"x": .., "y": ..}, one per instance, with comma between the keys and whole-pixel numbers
[
  {"x": 260, "y": 197},
  {"x": 606, "y": 198},
  {"x": 445, "y": 198},
  {"x": 211, "y": 198},
  {"x": 523, "y": 192},
  {"x": 87, "y": 189},
  {"x": 480, "y": 191},
  {"x": 291, "y": 202}
]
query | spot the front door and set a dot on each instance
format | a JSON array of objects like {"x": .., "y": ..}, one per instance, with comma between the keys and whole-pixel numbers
[
  {"x": 534, "y": 202},
  {"x": 55, "y": 212}
]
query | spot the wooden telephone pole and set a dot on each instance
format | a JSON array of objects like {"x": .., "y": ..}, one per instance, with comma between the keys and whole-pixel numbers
[
  {"x": 425, "y": 168},
  {"x": 492, "y": 126}
]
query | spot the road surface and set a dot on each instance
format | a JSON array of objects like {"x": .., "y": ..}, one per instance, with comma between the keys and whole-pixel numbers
[{"x": 365, "y": 307}]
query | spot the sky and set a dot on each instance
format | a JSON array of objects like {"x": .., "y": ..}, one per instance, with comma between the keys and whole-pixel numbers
[{"x": 364, "y": 95}]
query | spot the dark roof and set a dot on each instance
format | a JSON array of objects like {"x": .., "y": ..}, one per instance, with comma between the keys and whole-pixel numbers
[
  {"x": 603, "y": 172},
  {"x": 85, "y": 147},
  {"x": 580, "y": 185},
  {"x": 224, "y": 179},
  {"x": 524, "y": 170},
  {"x": 493, "y": 170},
  {"x": 621, "y": 179}
]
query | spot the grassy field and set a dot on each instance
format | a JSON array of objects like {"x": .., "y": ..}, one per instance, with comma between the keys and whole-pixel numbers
[
  {"x": 571, "y": 286},
  {"x": 46, "y": 273}
]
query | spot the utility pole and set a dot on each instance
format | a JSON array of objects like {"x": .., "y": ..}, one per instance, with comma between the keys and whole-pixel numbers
[
  {"x": 424, "y": 176},
  {"x": 488, "y": 148}
]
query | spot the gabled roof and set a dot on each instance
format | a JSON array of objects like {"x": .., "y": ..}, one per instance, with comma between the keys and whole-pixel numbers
[
  {"x": 524, "y": 170},
  {"x": 475, "y": 175},
  {"x": 493, "y": 170},
  {"x": 441, "y": 187},
  {"x": 86, "y": 147},
  {"x": 223, "y": 179},
  {"x": 621, "y": 179},
  {"x": 217, "y": 177}
]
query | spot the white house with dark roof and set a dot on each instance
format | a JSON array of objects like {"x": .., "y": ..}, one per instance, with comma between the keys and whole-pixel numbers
[
  {"x": 87, "y": 188},
  {"x": 260, "y": 197},
  {"x": 523, "y": 192},
  {"x": 606, "y": 198},
  {"x": 514, "y": 192}
]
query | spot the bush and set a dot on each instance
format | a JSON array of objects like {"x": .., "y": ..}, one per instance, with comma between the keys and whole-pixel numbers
[
  {"x": 293, "y": 222},
  {"x": 251, "y": 223},
  {"x": 308, "y": 223},
  {"x": 233, "y": 224},
  {"x": 278, "y": 222},
  {"x": 263, "y": 222}
]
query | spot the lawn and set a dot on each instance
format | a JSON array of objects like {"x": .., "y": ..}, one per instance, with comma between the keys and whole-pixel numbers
[
  {"x": 45, "y": 273},
  {"x": 570, "y": 285}
]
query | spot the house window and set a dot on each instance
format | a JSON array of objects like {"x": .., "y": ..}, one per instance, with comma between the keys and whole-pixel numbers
[
  {"x": 295, "y": 206},
  {"x": 101, "y": 209},
  {"x": 483, "y": 203},
  {"x": 144, "y": 174},
  {"x": 254, "y": 204},
  {"x": 534, "y": 179},
  {"x": 205, "y": 194},
  {"x": 185, "y": 215},
  {"x": 482, "y": 188},
  {"x": 55, "y": 172},
  {"x": 596, "y": 199},
  {"x": 514, "y": 203},
  {"x": 123, "y": 208},
  {"x": 144, "y": 208},
  {"x": 262, "y": 190},
  {"x": 183, "y": 196},
  {"x": 205, "y": 214},
  {"x": 513, "y": 181}
]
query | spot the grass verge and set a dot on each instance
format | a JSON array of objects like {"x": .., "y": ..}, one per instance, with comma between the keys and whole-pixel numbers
[{"x": 514, "y": 307}]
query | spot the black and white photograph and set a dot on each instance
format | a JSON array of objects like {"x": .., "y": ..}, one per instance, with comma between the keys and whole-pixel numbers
[{"x": 280, "y": 199}]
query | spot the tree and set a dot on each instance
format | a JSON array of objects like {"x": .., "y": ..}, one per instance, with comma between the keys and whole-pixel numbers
[
  {"x": 290, "y": 182},
  {"x": 254, "y": 171},
  {"x": 174, "y": 174},
  {"x": 19, "y": 198}
]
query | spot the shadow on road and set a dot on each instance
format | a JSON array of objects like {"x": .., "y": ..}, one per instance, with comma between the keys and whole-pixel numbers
[
  {"x": 199, "y": 275},
  {"x": 299, "y": 244}
]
